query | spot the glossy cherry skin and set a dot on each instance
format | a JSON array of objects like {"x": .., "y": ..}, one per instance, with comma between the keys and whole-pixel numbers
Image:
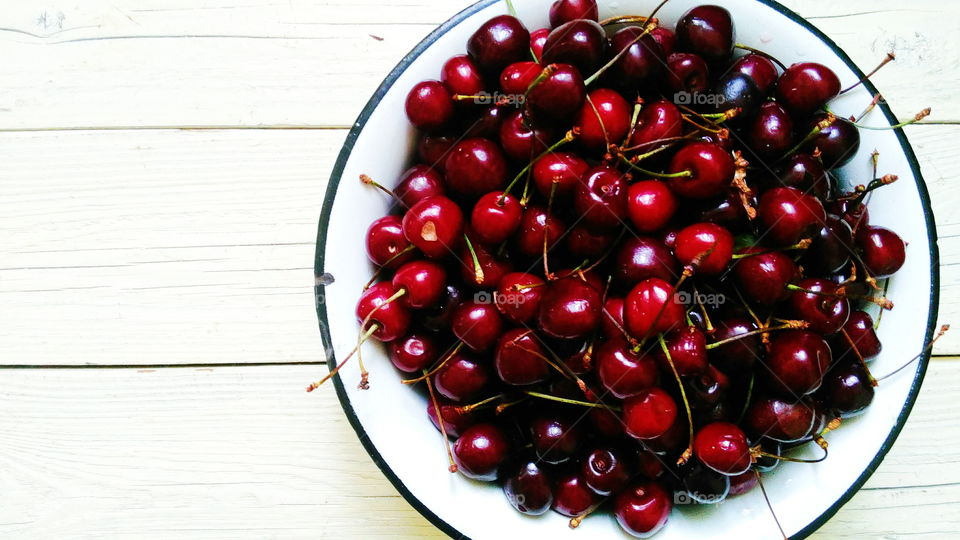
[
  {"x": 708, "y": 31},
  {"x": 643, "y": 508},
  {"x": 535, "y": 227},
  {"x": 882, "y": 251},
  {"x": 831, "y": 248},
  {"x": 495, "y": 217},
  {"x": 763, "y": 275},
  {"x": 853, "y": 212},
  {"x": 787, "y": 215},
  {"x": 650, "y": 205},
  {"x": 557, "y": 99},
  {"x": 621, "y": 371},
  {"x": 604, "y": 119},
  {"x": 461, "y": 76},
  {"x": 838, "y": 142},
  {"x": 847, "y": 389},
  {"x": 561, "y": 169},
  {"x": 385, "y": 241},
  {"x": 392, "y": 319},
  {"x": 723, "y": 447},
  {"x": 519, "y": 358},
  {"x": 611, "y": 322},
  {"x": 538, "y": 38},
  {"x": 423, "y": 281},
  {"x": 860, "y": 329},
  {"x": 518, "y": 297},
  {"x": 706, "y": 390},
  {"x": 429, "y": 105},
  {"x": 706, "y": 247},
  {"x": 477, "y": 325},
  {"x": 413, "y": 352},
  {"x": 475, "y": 167},
  {"x": 521, "y": 140},
  {"x": 434, "y": 225},
  {"x": 642, "y": 257},
  {"x": 643, "y": 62},
  {"x": 657, "y": 121},
  {"x": 605, "y": 470},
  {"x": 738, "y": 91},
  {"x": 737, "y": 356},
  {"x": 770, "y": 133},
  {"x": 569, "y": 309},
  {"x": 652, "y": 307},
  {"x": 418, "y": 183},
  {"x": 455, "y": 419},
  {"x": 759, "y": 68},
  {"x": 805, "y": 87},
  {"x": 797, "y": 360},
  {"x": 572, "y": 497},
  {"x": 784, "y": 420},
  {"x": 498, "y": 43},
  {"x": 461, "y": 378},
  {"x": 580, "y": 42},
  {"x": 492, "y": 269},
  {"x": 711, "y": 166},
  {"x": 742, "y": 484},
  {"x": 433, "y": 149},
  {"x": 480, "y": 452},
  {"x": 649, "y": 414},
  {"x": 701, "y": 484},
  {"x": 564, "y": 11},
  {"x": 529, "y": 489},
  {"x": 555, "y": 439},
  {"x": 601, "y": 198},
  {"x": 822, "y": 308},
  {"x": 485, "y": 122},
  {"x": 518, "y": 76},
  {"x": 687, "y": 72},
  {"x": 806, "y": 173},
  {"x": 688, "y": 351}
]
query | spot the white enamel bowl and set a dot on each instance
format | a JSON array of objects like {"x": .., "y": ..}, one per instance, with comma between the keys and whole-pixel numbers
[{"x": 390, "y": 419}]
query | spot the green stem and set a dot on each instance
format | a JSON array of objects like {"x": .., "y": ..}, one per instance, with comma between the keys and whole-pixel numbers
[{"x": 548, "y": 397}]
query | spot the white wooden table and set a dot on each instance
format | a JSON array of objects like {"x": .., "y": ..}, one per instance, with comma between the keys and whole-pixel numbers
[{"x": 156, "y": 304}]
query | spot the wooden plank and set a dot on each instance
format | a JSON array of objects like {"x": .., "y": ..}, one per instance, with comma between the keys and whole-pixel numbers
[{"x": 244, "y": 452}]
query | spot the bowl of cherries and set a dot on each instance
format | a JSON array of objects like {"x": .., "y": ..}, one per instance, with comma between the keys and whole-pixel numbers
[{"x": 627, "y": 269}]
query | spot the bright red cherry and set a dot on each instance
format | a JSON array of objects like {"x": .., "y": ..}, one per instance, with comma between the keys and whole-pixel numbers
[
  {"x": 429, "y": 105},
  {"x": 649, "y": 414},
  {"x": 414, "y": 352},
  {"x": 498, "y": 43},
  {"x": 564, "y": 11},
  {"x": 521, "y": 140},
  {"x": 423, "y": 281},
  {"x": 518, "y": 76},
  {"x": 605, "y": 470},
  {"x": 652, "y": 307},
  {"x": 759, "y": 68},
  {"x": 461, "y": 378},
  {"x": 821, "y": 304},
  {"x": 536, "y": 228},
  {"x": 688, "y": 351},
  {"x": 519, "y": 358},
  {"x": 611, "y": 323},
  {"x": 569, "y": 309},
  {"x": 434, "y": 225},
  {"x": 538, "y": 38},
  {"x": 477, "y": 325},
  {"x": 529, "y": 489},
  {"x": 797, "y": 360},
  {"x": 787, "y": 215},
  {"x": 707, "y": 247},
  {"x": 475, "y": 166},
  {"x": 455, "y": 419},
  {"x": 518, "y": 297},
  {"x": 492, "y": 268},
  {"x": 461, "y": 76},
  {"x": 882, "y": 251},
  {"x": 650, "y": 205},
  {"x": 559, "y": 97},
  {"x": 763, "y": 275},
  {"x": 623, "y": 372},
  {"x": 572, "y": 497},
  {"x": 601, "y": 198},
  {"x": 495, "y": 217},
  {"x": 604, "y": 119},
  {"x": 657, "y": 121},
  {"x": 418, "y": 183},
  {"x": 480, "y": 452},
  {"x": 385, "y": 242},
  {"x": 805, "y": 87},
  {"x": 643, "y": 508},
  {"x": 392, "y": 319},
  {"x": 723, "y": 447},
  {"x": 559, "y": 172},
  {"x": 642, "y": 257},
  {"x": 580, "y": 43},
  {"x": 711, "y": 170}
]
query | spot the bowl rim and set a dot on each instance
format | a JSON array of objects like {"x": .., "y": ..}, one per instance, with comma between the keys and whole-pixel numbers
[{"x": 387, "y": 84}]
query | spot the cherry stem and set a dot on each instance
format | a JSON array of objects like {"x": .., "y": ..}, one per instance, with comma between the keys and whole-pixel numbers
[
  {"x": 690, "y": 121},
  {"x": 624, "y": 19},
  {"x": 802, "y": 244},
  {"x": 503, "y": 406},
  {"x": 548, "y": 397},
  {"x": 664, "y": 140},
  {"x": 565, "y": 372},
  {"x": 873, "y": 104},
  {"x": 746, "y": 403},
  {"x": 756, "y": 452},
  {"x": 437, "y": 367},
  {"x": 821, "y": 125},
  {"x": 770, "y": 505},
  {"x": 746, "y": 305},
  {"x": 856, "y": 351},
  {"x": 764, "y": 54},
  {"x": 943, "y": 330},
  {"x": 681, "y": 174},
  {"x": 546, "y": 233},
  {"x": 606, "y": 135},
  {"x": 364, "y": 375},
  {"x": 379, "y": 270},
  {"x": 889, "y": 58},
  {"x": 917, "y": 119},
  {"x": 655, "y": 151},
  {"x": 545, "y": 74},
  {"x": 637, "y": 107},
  {"x": 789, "y": 325},
  {"x": 576, "y": 521},
  {"x": 651, "y": 24},
  {"x": 366, "y": 335},
  {"x": 467, "y": 408},
  {"x": 688, "y": 453},
  {"x": 569, "y": 137},
  {"x": 703, "y": 311},
  {"x": 860, "y": 192},
  {"x": 884, "y": 303},
  {"x": 364, "y": 179},
  {"x": 510, "y": 9},
  {"x": 477, "y": 269},
  {"x": 441, "y": 422}
]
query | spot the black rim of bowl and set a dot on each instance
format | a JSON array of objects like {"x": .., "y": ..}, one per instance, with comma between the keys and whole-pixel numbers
[{"x": 375, "y": 101}]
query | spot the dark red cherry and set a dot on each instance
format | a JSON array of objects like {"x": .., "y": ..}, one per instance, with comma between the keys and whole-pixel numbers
[
  {"x": 707, "y": 30},
  {"x": 580, "y": 43},
  {"x": 687, "y": 72},
  {"x": 601, "y": 198},
  {"x": 385, "y": 241},
  {"x": 564, "y": 11},
  {"x": 414, "y": 352},
  {"x": 555, "y": 439},
  {"x": 605, "y": 470},
  {"x": 723, "y": 447},
  {"x": 642, "y": 257},
  {"x": 461, "y": 378},
  {"x": 649, "y": 413},
  {"x": 434, "y": 225},
  {"x": 657, "y": 121},
  {"x": 701, "y": 484},
  {"x": 797, "y": 360},
  {"x": 604, "y": 119},
  {"x": 806, "y": 173},
  {"x": 583, "y": 242},
  {"x": 519, "y": 358},
  {"x": 853, "y": 212},
  {"x": 759, "y": 68},
  {"x": 480, "y": 452},
  {"x": 688, "y": 351},
  {"x": 561, "y": 169},
  {"x": 643, "y": 508},
  {"x": 433, "y": 149},
  {"x": 707, "y": 247},
  {"x": 536, "y": 229},
  {"x": 418, "y": 183},
  {"x": 742, "y": 484},
  {"x": 763, "y": 275},
  {"x": 518, "y": 297},
  {"x": 706, "y": 390},
  {"x": 538, "y": 38},
  {"x": 495, "y": 217},
  {"x": 455, "y": 419},
  {"x": 461, "y": 76},
  {"x": 492, "y": 268},
  {"x": 518, "y": 76},
  {"x": 739, "y": 355},
  {"x": 475, "y": 166},
  {"x": 649, "y": 465},
  {"x": 863, "y": 335},
  {"x": 727, "y": 211},
  {"x": 784, "y": 420},
  {"x": 770, "y": 133},
  {"x": 558, "y": 98},
  {"x": 650, "y": 205},
  {"x": 787, "y": 215},
  {"x": 522, "y": 141},
  {"x": 621, "y": 371},
  {"x": 805, "y": 87},
  {"x": 429, "y": 106},
  {"x": 736, "y": 90},
  {"x": 643, "y": 62},
  {"x": 652, "y": 307},
  {"x": 499, "y": 42},
  {"x": 611, "y": 321},
  {"x": 831, "y": 248},
  {"x": 392, "y": 319},
  {"x": 477, "y": 325},
  {"x": 437, "y": 319},
  {"x": 847, "y": 389},
  {"x": 838, "y": 142},
  {"x": 529, "y": 489},
  {"x": 665, "y": 38},
  {"x": 572, "y": 497},
  {"x": 672, "y": 440},
  {"x": 569, "y": 309},
  {"x": 711, "y": 169},
  {"x": 822, "y": 306},
  {"x": 423, "y": 281},
  {"x": 882, "y": 251}
]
